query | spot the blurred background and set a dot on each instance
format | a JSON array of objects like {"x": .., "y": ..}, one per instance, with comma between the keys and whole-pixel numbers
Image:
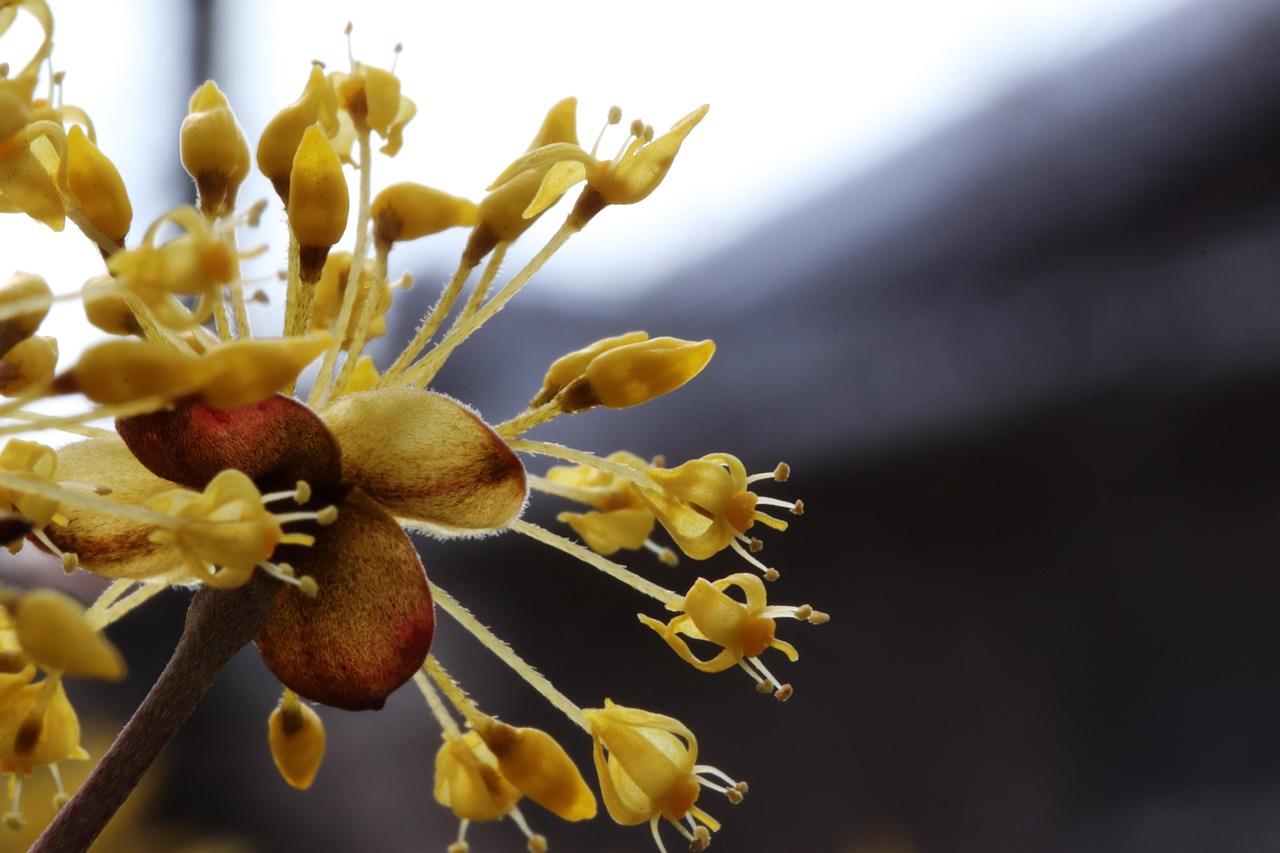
[{"x": 997, "y": 279}]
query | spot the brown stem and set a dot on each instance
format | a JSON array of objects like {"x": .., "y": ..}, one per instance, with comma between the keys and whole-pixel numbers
[{"x": 219, "y": 624}]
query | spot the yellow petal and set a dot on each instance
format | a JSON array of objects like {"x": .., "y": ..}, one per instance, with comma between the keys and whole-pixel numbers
[{"x": 52, "y": 629}]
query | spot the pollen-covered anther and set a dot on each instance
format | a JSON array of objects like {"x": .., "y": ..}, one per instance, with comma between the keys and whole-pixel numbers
[
  {"x": 797, "y": 508},
  {"x": 754, "y": 545}
]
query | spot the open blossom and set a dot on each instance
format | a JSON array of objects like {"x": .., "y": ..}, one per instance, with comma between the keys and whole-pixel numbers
[{"x": 286, "y": 471}]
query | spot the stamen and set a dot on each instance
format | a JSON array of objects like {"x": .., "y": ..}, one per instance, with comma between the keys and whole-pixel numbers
[
  {"x": 13, "y": 818},
  {"x": 615, "y": 116},
  {"x": 395, "y": 56},
  {"x": 657, "y": 839},
  {"x": 60, "y": 798},
  {"x": 666, "y": 555},
  {"x": 285, "y": 573},
  {"x": 770, "y": 574}
]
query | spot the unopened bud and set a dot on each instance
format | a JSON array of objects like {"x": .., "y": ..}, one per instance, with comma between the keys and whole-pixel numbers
[
  {"x": 95, "y": 186},
  {"x": 407, "y": 211},
  {"x": 318, "y": 200},
  {"x": 214, "y": 150},
  {"x": 297, "y": 739}
]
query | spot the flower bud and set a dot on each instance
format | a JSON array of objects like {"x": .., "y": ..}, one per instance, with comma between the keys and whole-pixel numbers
[
  {"x": 407, "y": 211},
  {"x": 52, "y": 630},
  {"x": 214, "y": 150},
  {"x": 570, "y": 367},
  {"x": 635, "y": 373},
  {"x": 105, "y": 306},
  {"x": 28, "y": 363},
  {"x": 95, "y": 186},
  {"x": 31, "y": 297},
  {"x": 318, "y": 200},
  {"x": 123, "y": 371},
  {"x": 539, "y": 767},
  {"x": 297, "y": 740},
  {"x": 279, "y": 141},
  {"x": 248, "y": 371}
]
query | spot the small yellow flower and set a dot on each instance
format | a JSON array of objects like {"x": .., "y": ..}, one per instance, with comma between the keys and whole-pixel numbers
[
  {"x": 742, "y": 629},
  {"x": 532, "y": 761},
  {"x": 408, "y": 210},
  {"x": 706, "y": 506},
  {"x": 648, "y": 768},
  {"x": 318, "y": 200},
  {"x": 630, "y": 177},
  {"x": 371, "y": 96},
  {"x": 94, "y": 186},
  {"x": 38, "y": 727}
]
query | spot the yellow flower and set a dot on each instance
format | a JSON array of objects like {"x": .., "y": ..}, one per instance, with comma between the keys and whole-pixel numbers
[
  {"x": 371, "y": 96},
  {"x": 742, "y": 629},
  {"x": 648, "y": 768},
  {"x": 706, "y": 507},
  {"x": 628, "y": 178}
]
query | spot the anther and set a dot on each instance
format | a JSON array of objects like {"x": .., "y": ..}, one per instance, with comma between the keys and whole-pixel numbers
[
  {"x": 782, "y": 472},
  {"x": 797, "y": 508},
  {"x": 615, "y": 114},
  {"x": 771, "y": 574},
  {"x": 764, "y": 687},
  {"x": 784, "y": 693},
  {"x": 804, "y": 611},
  {"x": 537, "y": 844},
  {"x": 637, "y": 128},
  {"x": 819, "y": 618},
  {"x": 701, "y": 839},
  {"x": 755, "y": 545},
  {"x": 328, "y": 515},
  {"x": 303, "y": 492}
]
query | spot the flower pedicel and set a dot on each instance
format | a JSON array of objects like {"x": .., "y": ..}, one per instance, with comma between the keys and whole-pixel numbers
[{"x": 289, "y": 513}]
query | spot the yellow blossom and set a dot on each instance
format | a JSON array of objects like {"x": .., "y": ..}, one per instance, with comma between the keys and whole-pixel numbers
[
  {"x": 648, "y": 769},
  {"x": 468, "y": 781},
  {"x": 408, "y": 210},
  {"x": 532, "y": 761},
  {"x": 567, "y": 368},
  {"x": 742, "y": 629},
  {"x": 38, "y": 728},
  {"x": 706, "y": 506},
  {"x": 633, "y": 373},
  {"x": 371, "y": 96},
  {"x": 224, "y": 532},
  {"x": 318, "y": 200},
  {"x": 630, "y": 177}
]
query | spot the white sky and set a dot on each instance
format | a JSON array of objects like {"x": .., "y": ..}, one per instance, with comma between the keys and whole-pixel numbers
[{"x": 799, "y": 98}]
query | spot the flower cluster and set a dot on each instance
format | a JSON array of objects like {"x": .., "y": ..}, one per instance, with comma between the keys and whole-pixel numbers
[{"x": 215, "y": 471}]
